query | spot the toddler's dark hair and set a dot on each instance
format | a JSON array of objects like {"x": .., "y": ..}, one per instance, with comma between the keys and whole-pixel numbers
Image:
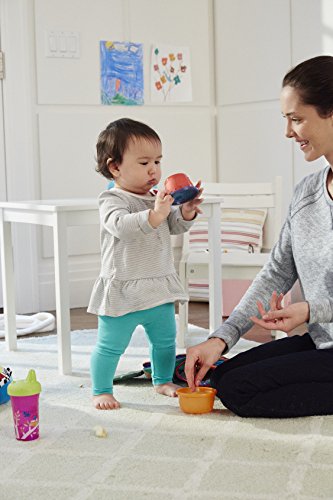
[{"x": 113, "y": 141}]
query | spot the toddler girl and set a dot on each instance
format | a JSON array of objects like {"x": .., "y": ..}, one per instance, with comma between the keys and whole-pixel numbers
[{"x": 138, "y": 283}]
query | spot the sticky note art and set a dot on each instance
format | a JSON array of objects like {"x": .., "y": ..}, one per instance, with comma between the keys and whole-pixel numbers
[
  {"x": 121, "y": 73},
  {"x": 170, "y": 74}
]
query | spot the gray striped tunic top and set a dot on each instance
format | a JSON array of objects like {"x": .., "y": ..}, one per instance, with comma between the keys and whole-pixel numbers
[{"x": 137, "y": 268}]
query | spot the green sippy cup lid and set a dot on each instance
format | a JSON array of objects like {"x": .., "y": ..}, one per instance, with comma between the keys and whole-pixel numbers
[{"x": 27, "y": 387}]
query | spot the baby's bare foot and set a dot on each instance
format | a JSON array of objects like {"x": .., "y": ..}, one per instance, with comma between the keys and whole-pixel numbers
[
  {"x": 168, "y": 389},
  {"x": 105, "y": 402}
]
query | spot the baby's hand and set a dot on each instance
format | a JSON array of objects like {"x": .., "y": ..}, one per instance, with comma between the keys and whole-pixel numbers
[
  {"x": 192, "y": 207},
  {"x": 162, "y": 208},
  {"x": 163, "y": 204}
]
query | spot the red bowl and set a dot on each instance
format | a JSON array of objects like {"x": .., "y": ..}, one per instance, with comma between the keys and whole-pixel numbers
[
  {"x": 176, "y": 181},
  {"x": 181, "y": 188}
]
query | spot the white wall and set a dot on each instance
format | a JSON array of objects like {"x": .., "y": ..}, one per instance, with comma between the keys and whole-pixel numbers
[
  {"x": 312, "y": 35},
  {"x": 252, "y": 55},
  {"x": 70, "y": 115},
  {"x": 232, "y": 131},
  {"x": 3, "y": 183}
]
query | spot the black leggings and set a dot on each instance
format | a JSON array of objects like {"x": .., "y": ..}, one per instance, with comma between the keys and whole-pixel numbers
[{"x": 283, "y": 378}]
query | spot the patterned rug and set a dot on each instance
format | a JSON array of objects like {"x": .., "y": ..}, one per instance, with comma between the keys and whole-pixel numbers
[{"x": 152, "y": 449}]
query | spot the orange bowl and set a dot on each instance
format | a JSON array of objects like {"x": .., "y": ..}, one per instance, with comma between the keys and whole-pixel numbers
[{"x": 199, "y": 401}]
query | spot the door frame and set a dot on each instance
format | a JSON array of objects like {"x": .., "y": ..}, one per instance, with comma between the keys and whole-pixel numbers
[{"x": 20, "y": 145}]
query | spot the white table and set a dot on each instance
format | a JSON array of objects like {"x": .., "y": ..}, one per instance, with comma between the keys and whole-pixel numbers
[{"x": 61, "y": 214}]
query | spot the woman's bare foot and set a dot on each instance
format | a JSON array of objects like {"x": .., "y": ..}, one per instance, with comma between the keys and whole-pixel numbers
[
  {"x": 168, "y": 389},
  {"x": 105, "y": 402}
]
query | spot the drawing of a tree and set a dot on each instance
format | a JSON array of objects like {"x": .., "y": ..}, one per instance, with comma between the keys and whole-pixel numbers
[{"x": 169, "y": 71}]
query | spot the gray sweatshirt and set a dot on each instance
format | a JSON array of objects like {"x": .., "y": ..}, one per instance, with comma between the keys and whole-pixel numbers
[{"x": 304, "y": 251}]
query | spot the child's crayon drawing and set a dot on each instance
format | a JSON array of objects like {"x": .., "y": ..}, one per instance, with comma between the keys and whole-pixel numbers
[
  {"x": 121, "y": 73},
  {"x": 170, "y": 74}
]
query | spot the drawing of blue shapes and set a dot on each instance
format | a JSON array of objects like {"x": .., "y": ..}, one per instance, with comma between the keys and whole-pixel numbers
[{"x": 121, "y": 73}]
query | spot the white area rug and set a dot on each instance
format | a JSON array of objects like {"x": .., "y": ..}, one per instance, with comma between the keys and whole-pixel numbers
[{"x": 153, "y": 450}]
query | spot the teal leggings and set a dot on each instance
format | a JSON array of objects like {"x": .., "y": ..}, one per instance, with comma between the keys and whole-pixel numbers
[{"x": 114, "y": 335}]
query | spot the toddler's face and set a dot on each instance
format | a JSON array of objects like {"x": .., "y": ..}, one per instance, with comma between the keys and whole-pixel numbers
[{"x": 140, "y": 169}]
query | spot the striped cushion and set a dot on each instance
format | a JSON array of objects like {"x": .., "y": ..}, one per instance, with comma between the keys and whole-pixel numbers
[{"x": 240, "y": 230}]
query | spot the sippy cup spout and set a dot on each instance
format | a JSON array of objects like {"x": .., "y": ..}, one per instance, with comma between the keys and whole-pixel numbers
[
  {"x": 25, "y": 387},
  {"x": 31, "y": 377}
]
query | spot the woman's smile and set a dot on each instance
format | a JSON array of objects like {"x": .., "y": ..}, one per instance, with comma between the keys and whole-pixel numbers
[{"x": 303, "y": 144}]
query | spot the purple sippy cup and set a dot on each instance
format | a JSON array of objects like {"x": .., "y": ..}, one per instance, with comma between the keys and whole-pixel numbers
[{"x": 24, "y": 396}]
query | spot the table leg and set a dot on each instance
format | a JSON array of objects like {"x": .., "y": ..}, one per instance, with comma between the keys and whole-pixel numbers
[
  {"x": 182, "y": 309},
  {"x": 215, "y": 273},
  {"x": 62, "y": 294},
  {"x": 8, "y": 287}
]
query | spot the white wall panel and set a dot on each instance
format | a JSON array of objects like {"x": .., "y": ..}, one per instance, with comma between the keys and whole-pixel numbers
[
  {"x": 68, "y": 139},
  {"x": 67, "y": 153},
  {"x": 312, "y": 28},
  {"x": 312, "y": 35},
  {"x": 184, "y": 23},
  {"x": 252, "y": 49},
  {"x": 188, "y": 141},
  {"x": 3, "y": 183},
  {"x": 252, "y": 146},
  {"x": 74, "y": 81}
]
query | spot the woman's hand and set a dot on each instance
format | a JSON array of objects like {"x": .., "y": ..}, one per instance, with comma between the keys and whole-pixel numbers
[
  {"x": 192, "y": 207},
  {"x": 200, "y": 358},
  {"x": 279, "y": 318},
  {"x": 161, "y": 210}
]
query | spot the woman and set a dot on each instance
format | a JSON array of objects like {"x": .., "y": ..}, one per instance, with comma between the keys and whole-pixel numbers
[{"x": 291, "y": 377}]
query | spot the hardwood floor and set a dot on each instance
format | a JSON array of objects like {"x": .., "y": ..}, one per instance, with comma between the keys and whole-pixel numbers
[{"x": 198, "y": 315}]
